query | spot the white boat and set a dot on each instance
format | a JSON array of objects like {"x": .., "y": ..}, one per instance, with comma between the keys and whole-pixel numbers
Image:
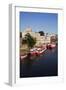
[{"x": 22, "y": 57}]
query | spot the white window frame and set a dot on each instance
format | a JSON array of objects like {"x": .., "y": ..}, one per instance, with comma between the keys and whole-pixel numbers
[{"x": 14, "y": 61}]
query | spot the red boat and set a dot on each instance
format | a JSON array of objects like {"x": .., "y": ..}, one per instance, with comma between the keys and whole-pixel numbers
[
  {"x": 50, "y": 46},
  {"x": 37, "y": 51}
]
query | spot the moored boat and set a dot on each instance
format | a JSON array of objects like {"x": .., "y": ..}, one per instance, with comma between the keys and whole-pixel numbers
[{"x": 50, "y": 46}]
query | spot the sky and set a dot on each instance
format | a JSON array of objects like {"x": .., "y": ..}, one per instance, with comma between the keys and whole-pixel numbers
[{"x": 47, "y": 22}]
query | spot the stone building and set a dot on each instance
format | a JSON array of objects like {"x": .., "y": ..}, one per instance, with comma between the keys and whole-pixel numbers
[{"x": 40, "y": 40}]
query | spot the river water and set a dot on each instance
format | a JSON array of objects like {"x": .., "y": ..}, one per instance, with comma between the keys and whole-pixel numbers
[{"x": 43, "y": 65}]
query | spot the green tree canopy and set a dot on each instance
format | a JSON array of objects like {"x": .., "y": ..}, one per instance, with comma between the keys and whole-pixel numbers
[
  {"x": 41, "y": 33},
  {"x": 29, "y": 40}
]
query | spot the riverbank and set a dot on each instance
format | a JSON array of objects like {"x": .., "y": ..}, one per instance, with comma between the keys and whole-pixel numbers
[{"x": 37, "y": 51}]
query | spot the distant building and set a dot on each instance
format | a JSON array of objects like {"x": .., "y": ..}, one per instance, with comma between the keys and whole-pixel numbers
[
  {"x": 54, "y": 39},
  {"x": 47, "y": 39},
  {"x": 40, "y": 40}
]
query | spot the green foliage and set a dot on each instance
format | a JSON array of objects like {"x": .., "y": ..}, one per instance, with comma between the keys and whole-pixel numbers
[
  {"x": 24, "y": 41},
  {"x": 30, "y": 40},
  {"x": 41, "y": 33},
  {"x": 20, "y": 34}
]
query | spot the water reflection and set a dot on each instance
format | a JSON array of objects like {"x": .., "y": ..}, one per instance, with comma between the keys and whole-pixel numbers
[
  {"x": 28, "y": 63},
  {"x": 43, "y": 65}
]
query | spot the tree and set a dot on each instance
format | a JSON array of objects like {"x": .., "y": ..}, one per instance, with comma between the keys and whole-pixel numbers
[
  {"x": 20, "y": 34},
  {"x": 30, "y": 40},
  {"x": 24, "y": 41},
  {"x": 41, "y": 33}
]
